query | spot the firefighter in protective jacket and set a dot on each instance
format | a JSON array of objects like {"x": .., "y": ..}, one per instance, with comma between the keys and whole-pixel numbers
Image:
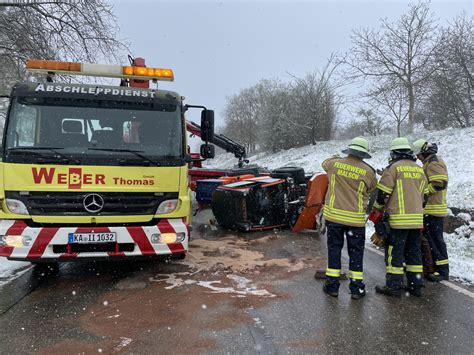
[
  {"x": 436, "y": 208},
  {"x": 400, "y": 194},
  {"x": 350, "y": 182}
]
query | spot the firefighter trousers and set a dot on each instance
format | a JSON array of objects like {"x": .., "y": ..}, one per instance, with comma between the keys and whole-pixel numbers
[
  {"x": 355, "y": 247},
  {"x": 403, "y": 246},
  {"x": 434, "y": 233}
]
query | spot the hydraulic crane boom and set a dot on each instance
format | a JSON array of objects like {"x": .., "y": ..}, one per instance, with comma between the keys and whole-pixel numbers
[{"x": 221, "y": 141}]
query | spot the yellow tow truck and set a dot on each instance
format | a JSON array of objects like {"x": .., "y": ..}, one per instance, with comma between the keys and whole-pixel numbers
[{"x": 96, "y": 171}]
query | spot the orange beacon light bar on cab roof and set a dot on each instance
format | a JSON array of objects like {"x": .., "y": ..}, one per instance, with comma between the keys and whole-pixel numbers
[{"x": 105, "y": 70}]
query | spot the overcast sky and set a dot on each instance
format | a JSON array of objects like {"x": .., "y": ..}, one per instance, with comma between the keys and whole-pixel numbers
[{"x": 217, "y": 48}]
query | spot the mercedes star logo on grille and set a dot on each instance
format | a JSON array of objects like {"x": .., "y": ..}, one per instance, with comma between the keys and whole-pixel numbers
[{"x": 93, "y": 203}]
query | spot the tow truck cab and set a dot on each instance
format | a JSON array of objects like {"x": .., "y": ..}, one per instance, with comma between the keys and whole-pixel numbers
[{"x": 93, "y": 171}]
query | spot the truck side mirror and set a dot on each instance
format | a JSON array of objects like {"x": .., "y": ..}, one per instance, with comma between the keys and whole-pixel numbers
[
  {"x": 208, "y": 151},
  {"x": 207, "y": 125}
]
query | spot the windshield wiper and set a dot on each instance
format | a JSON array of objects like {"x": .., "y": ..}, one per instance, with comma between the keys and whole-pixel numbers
[
  {"x": 33, "y": 148},
  {"x": 135, "y": 152},
  {"x": 63, "y": 159}
]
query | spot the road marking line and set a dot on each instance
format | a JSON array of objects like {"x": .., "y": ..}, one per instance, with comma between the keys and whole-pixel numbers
[
  {"x": 445, "y": 283},
  {"x": 457, "y": 288}
]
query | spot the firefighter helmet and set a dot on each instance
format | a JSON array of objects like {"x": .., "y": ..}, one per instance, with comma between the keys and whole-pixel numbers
[
  {"x": 400, "y": 143},
  {"x": 424, "y": 148},
  {"x": 420, "y": 146},
  {"x": 359, "y": 147},
  {"x": 400, "y": 149}
]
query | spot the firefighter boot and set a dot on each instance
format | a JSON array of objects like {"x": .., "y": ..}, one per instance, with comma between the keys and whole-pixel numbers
[
  {"x": 388, "y": 291},
  {"x": 413, "y": 291},
  {"x": 331, "y": 286},
  {"x": 393, "y": 287},
  {"x": 437, "y": 277},
  {"x": 414, "y": 284},
  {"x": 357, "y": 289}
]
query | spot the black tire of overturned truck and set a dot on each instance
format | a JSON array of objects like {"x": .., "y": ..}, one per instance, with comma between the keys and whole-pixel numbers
[{"x": 296, "y": 173}]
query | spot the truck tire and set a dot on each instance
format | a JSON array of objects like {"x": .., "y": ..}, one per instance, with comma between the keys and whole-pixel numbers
[{"x": 296, "y": 173}]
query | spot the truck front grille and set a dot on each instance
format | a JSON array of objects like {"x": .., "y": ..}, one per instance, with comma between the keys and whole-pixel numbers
[{"x": 72, "y": 203}]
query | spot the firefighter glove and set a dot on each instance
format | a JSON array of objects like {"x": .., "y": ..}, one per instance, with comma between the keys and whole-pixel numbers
[{"x": 377, "y": 240}]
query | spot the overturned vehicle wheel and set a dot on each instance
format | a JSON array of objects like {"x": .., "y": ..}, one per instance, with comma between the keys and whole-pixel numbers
[{"x": 296, "y": 173}]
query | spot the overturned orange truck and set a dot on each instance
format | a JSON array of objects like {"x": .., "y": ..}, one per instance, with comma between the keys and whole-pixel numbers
[{"x": 95, "y": 171}]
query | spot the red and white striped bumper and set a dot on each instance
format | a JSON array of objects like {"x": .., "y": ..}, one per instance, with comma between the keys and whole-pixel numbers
[{"x": 52, "y": 242}]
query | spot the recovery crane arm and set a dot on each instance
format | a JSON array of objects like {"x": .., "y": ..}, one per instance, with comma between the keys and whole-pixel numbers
[{"x": 221, "y": 141}]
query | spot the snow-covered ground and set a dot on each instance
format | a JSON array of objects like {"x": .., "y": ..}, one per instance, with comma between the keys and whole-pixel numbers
[
  {"x": 11, "y": 269},
  {"x": 455, "y": 147},
  {"x": 461, "y": 252}
]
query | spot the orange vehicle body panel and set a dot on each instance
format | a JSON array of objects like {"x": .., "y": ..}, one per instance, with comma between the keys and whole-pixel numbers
[
  {"x": 317, "y": 188},
  {"x": 231, "y": 179}
]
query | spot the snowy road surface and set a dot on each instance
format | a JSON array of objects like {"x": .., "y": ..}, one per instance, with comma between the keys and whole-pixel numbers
[{"x": 234, "y": 293}]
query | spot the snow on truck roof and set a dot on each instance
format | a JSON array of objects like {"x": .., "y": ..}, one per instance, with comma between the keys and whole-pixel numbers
[{"x": 92, "y": 91}]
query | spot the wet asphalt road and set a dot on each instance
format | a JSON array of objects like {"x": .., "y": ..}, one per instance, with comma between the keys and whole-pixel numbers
[{"x": 125, "y": 307}]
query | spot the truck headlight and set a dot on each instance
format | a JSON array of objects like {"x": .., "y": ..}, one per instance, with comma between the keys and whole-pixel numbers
[
  {"x": 14, "y": 240},
  {"x": 180, "y": 237},
  {"x": 170, "y": 238},
  {"x": 27, "y": 240},
  {"x": 16, "y": 206},
  {"x": 167, "y": 206}
]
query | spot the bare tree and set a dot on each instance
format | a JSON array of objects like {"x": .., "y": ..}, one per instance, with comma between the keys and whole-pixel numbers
[
  {"x": 273, "y": 115},
  {"x": 392, "y": 102},
  {"x": 372, "y": 123},
  {"x": 316, "y": 99},
  {"x": 64, "y": 30},
  {"x": 243, "y": 113},
  {"x": 399, "y": 52},
  {"x": 448, "y": 94}
]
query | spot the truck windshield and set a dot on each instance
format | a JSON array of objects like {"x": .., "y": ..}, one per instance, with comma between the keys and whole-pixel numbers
[{"x": 87, "y": 129}]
